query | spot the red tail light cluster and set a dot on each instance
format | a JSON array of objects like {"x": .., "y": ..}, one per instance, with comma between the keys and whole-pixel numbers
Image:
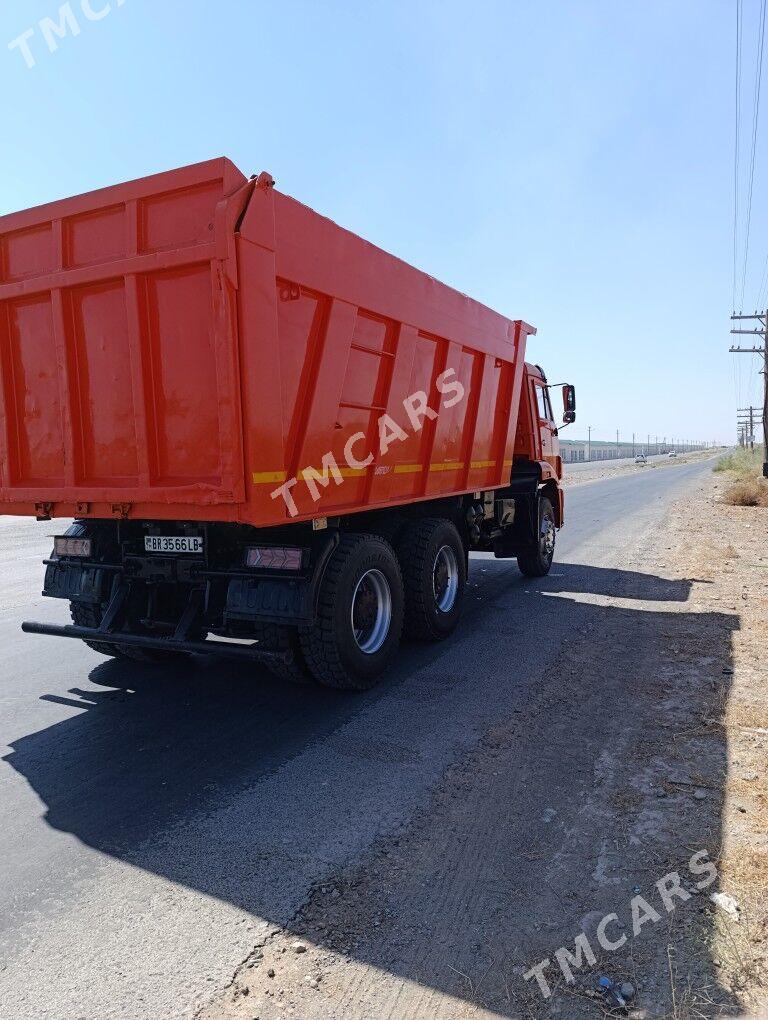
[{"x": 274, "y": 557}]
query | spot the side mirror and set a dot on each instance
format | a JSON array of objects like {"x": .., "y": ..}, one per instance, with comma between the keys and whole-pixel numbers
[{"x": 569, "y": 404}]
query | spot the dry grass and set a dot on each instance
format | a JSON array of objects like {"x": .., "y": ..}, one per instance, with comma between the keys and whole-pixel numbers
[
  {"x": 741, "y": 462},
  {"x": 749, "y": 488},
  {"x": 747, "y": 492}
]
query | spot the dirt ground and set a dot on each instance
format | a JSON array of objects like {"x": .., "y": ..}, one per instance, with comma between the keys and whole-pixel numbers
[{"x": 673, "y": 767}]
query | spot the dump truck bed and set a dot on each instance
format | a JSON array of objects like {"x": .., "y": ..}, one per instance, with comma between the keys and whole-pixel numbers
[{"x": 180, "y": 346}]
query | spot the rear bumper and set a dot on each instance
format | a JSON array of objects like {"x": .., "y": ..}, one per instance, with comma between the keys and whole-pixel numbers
[
  {"x": 232, "y": 596},
  {"x": 251, "y": 652}
]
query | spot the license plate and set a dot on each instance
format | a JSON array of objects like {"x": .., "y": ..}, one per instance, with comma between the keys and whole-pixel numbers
[{"x": 172, "y": 544}]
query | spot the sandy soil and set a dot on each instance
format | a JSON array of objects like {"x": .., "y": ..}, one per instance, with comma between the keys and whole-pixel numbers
[{"x": 551, "y": 824}]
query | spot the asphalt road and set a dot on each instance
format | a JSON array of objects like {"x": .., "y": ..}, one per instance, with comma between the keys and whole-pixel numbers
[{"x": 158, "y": 823}]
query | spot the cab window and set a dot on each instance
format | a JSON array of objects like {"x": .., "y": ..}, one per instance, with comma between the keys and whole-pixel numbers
[{"x": 542, "y": 399}]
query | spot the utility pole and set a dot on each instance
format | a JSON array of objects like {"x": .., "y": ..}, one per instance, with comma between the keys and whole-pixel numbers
[
  {"x": 749, "y": 418},
  {"x": 589, "y": 442},
  {"x": 633, "y": 444},
  {"x": 762, "y": 318}
]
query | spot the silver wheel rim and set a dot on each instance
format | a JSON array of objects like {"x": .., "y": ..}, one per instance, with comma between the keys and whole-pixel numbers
[
  {"x": 371, "y": 612},
  {"x": 445, "y": 579},
  {"x": 547, "y": 537}
]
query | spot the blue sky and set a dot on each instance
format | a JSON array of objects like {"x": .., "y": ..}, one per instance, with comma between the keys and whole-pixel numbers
[{"x": 569, "y": 163}]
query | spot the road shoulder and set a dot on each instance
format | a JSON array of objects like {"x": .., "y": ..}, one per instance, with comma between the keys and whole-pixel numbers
[{"x": 637, "y": 763}]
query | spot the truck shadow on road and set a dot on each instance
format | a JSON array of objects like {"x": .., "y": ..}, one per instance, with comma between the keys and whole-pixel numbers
[{"x": 451, "y": 828}]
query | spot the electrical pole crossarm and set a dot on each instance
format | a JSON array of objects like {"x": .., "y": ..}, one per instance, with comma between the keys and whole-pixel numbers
[{"x": 762, "y": 318}]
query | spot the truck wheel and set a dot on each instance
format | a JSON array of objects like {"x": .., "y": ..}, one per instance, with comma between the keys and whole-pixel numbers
[
  {"x": 277, "y": 638},
  {"x": 537, "y": 561},
  {"x": 433, "y": 562},
  {"x": 359, "y": 617},
  {"x": 90, "y": 616}
]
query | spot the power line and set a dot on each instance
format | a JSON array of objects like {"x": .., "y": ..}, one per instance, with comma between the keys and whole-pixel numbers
[
  {"x": 755, "y": 117},
  {"x": 763, "y": 281},
  {"x": 736, "y": 148},
  {"x": 761, "y": 331}
]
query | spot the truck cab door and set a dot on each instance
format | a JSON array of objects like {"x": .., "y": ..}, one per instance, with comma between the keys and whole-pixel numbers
[{"x": 547, "y": 430}]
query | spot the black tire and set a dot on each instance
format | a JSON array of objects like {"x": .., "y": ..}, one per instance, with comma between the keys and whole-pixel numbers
[
  {"x": 430, "y": 574},
  {"x": 333, "y": 647},
  {"x": 277, "y": 638},
  {"x": 90, "y": 616},
  {"x": 538, "y": 560},
  {"x": 87, "y": 615},
  {"x": 84, "y": 615}
]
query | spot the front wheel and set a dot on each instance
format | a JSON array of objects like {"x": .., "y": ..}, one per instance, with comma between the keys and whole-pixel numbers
[
  {"x": 359, "y": 616},
  {"x": 537, "y": 561}
]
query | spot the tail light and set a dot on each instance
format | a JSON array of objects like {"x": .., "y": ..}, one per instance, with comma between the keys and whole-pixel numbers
[
  {"x": 274, "y": 557},
  {"x": 64, "y": 546}
]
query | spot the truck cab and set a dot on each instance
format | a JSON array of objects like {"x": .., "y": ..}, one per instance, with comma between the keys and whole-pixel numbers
[{"x": 536, "y": 439}]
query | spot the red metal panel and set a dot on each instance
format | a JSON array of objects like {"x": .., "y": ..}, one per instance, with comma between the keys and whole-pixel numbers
[
  {"x": 100, "y": 236},
  {"x": 119, "y": 357},
  {"x": 37, "y": 444},
  {"x": 446, "y": 468},
  {"x": 178, "y": 218},
  {"x": 409, "y": 457},
  {"x": 64, "y": 379},
  {"x": 483, "y": 469},
  {"x": 27, "y": 252},
  {"x": 189, "y": 342},
  {"x": 105, "y": 428},
  {"x": 266, "y": 411},
  {"x": 382, "y": 480},
  {"x": 182, "y": 370},
  {"x": 323, "y": 399},
  {"x": 472, "y": 439}
]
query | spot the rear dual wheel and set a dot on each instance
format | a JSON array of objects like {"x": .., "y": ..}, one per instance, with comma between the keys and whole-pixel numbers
[
  {"x": 433, "y": 561},
  {"x": 369, "y": 593},
  {"x": 359, "y": 617}
]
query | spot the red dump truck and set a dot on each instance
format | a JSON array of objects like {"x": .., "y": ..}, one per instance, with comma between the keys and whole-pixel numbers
[{"x": 276, "y": 440}]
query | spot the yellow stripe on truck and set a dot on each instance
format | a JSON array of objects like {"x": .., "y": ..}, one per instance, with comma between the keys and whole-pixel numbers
[{"x": 264, "y": 477}]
